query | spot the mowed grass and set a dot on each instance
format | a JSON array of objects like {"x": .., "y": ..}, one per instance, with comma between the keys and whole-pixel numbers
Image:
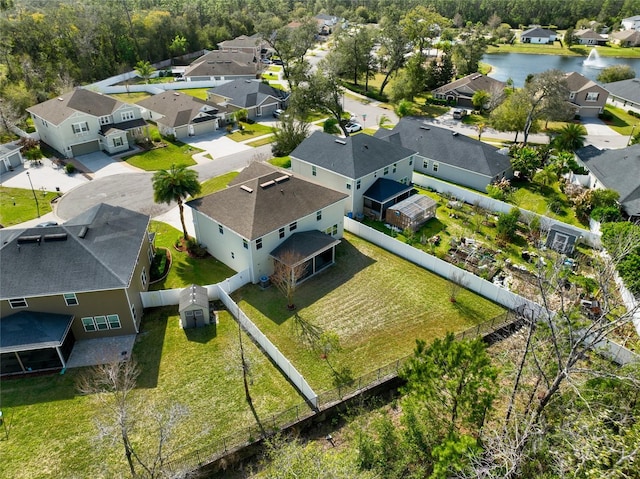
[
  {"x": 186, "y": 270},
  {"x": 621, "y": 121},
  {"x": 377, "y": 303},
  {"x": 540, "y": 199},
  {"x": 200, "y": 93},
  {"x": 162, "y": 158},
  {"x": 250, "y": 131},
  {"x": 217, "y": 183},
  {"x": 17, "y": 205},
  {"x": 133, "y": 97},
  {"x": 51, "y": 427}
]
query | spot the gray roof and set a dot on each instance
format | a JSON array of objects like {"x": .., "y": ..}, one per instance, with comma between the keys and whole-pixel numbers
[
  {"x": 64, "y": 262},
  {"x": 243, "y": 41},
  {"x": 444, "y": 146},
  {"x": 626, "y": 89},
  {"x": 28, "y": 330},
  {"x": 304, "y": 245},
  {"x": 618, "y": 170},
  {"x": 470, "y": 84},
  {"x": 178, "y": 109},
  {"x": 248, "y": 93},
  {"x": 57, "y": 110},
  {"x": 577, "y": 82},
  {"x": 537, "y": 32},
  {"x": 8, "y": 149},
  {"x": 265, "y": 203},
  {"x": 352, "y": 157},
  {"x": 194, "y": 295},
  {"x": 217, "y": 63}
]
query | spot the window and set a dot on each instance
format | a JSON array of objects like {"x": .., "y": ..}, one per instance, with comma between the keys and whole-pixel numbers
[
  {"x": 114, "y": 320},
  {"x": 572, "y": 95},
  {"x": 593, "y": 96},
  {"x": 105, "y": 120},
  {"x": 245, "y": 243},
  {"x": 335, "y": 229},
  {"x": 435, "y": 166},
  {"x": 118, "y": 141},
  {"x": 133, "y": 312},
  {"x": 88, "y": 324},
  {"x": 220, "y": 230},
  {"x": 150, "y": 254},
  {"x": 233, "y": 255},
  {"x": 395, "y": 167},
  {"x": 313, "y": 171},
  {"x": 293, "y": 226},
  {"x": 45, "y": 123},
  {"x": 70, "y": 299},
  {"x": 405, "y": 180},
  {"x": 259, "y": 243},
  {"x": 318, "y": 215},
  {"x": 348, "y": 186},
  {"x": 18, "y": 303},
  {"x": 281, "y": 233},
  {"x": 143, "y": 277},
  {"x": 410, "y": 160},
  {"x": 80, "y": 128},
  {"x": 386, "y": 170},
  {"x": 358, "y": 184},
  {"x": 127, "y": 115},
  {"x": 425, "y": 164},
  {"x": 101, "y": 323}
]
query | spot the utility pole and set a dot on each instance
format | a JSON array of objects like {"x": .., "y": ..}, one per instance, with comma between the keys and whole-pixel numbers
[{"x": 35, "y": 197}]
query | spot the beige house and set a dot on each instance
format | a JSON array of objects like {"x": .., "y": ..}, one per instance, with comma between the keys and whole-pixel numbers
[
  {"x": 626, "y": 38},
  {"x": 78, "y": 280},
  {"x": 82, "y": 121},
  {"x": 587, "y": 97},
  {"x": 253, "y": 45},
  {"x": 461, "y": 91},
  {"x": 264, "y": 208}
]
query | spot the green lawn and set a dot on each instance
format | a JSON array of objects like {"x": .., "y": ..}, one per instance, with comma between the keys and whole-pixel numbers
[
  {"x": 17, "y": 205},
  {"x": 133, "y": 97},
  {"x": 200, "y": 93},
  {"x": 218, "y": 183},
  {"x": 174, "y": 152},
  {"x": 556, "y": 49},
  {"x": 377, "y": 303},
  {"x": 262, "y": 141},
  {"x": 622, "y": 122},
  {"x": 184, "y": 269},
  {"x": 281, "y": 161},
  {"x": 540, "y": 199},
  {"x": 250, "y": 131},
  {"x": 51, "y": 427}
]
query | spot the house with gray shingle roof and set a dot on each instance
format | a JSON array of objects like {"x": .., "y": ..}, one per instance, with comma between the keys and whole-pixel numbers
[
  {"x": 626, "y": 38},
  {"x": 449, "y": 156},
  {"x": 258, "y": 98},
  {"x": 253, "y": 45},
  {"x": 586, "y": 36},
  {"x": 461, "y": 91},
  {"x": 78, "y": 280},
  {"x": 181, "y": 115},
  {"x": 617, "y": 170},
  {"x": 625, "y": 93},
  {"x": 10, "y": 157},
  {"x": 373, "y": 173},
  {"x": 587, "y": 97},
  {"x": 82, "y": 121},
  {"x": 243, "y": 224},
  {"x": 223, "y": 66},
  {"x": 538, "y": 35}
]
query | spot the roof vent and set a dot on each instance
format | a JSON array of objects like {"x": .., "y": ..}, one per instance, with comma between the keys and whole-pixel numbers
[
  {"x": 29, "y": 239},
  {"x": 280, "y": 179},
  {"x": 267, "y": 184},
  {"x": 425, "y": 127},
  {"x": 247, "y": 81},
  {"x": 246, "y": 188},
  {"x": 341, "y": 142},
  {"x": 60, "y": 98},
  {"x": 56, "y": 237},
  {"x": 83, "y": 232},
  {"x": 454, "y": 133},
  {"x": 175, "y": 93}
]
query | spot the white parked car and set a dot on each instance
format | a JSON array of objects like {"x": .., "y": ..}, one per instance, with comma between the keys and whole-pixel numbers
[{"x": 353, "y": 127}]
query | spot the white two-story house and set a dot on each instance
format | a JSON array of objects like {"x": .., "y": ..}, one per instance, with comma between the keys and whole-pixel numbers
[
  {"x": 375, "y": 174},
  {"x": 264, "y": 212},
  {"x": 82, "y": 121}
]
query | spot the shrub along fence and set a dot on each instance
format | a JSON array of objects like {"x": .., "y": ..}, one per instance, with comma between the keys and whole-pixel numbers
[{"x": 590, "y": 238}]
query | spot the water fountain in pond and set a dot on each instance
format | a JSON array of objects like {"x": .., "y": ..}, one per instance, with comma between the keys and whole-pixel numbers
[{"x": 593, "y": 60}]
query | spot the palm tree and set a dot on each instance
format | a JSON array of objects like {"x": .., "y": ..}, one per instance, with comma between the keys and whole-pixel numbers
[
  {"x": 571, "y": 137},
  {"x": 175, "y": 184},
  {"x": 144, "y": 69}
]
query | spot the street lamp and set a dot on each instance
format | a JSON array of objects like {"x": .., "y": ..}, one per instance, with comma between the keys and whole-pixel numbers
[
  {"x": 631, "y": 135},
  {"x": 35, "y": 197}
]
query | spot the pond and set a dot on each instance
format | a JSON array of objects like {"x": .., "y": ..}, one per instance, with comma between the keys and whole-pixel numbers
[{"x": 518, "y": 65}]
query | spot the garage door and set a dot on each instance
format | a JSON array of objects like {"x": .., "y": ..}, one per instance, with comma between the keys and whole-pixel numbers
[{"x": 84, "y": 148}]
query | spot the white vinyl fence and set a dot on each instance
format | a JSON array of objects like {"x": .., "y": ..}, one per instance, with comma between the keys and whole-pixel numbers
[
  {"x": 267, "y": 346},
  {"x": 484, "y": 288},
  {"x": 590, "y": 238}
]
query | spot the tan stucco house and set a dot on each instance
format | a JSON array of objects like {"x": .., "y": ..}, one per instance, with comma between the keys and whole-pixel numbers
[
  {"x": 587, "y": 97},
  {"x": 78, "y": 280}
]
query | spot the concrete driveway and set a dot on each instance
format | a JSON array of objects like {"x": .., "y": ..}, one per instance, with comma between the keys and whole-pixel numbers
[
  {"x": 217, "y": 144},
  {"x": 99, "y": 164},
  {"x": 46, "y": 175},
  {"x": 601, "y": 136}
]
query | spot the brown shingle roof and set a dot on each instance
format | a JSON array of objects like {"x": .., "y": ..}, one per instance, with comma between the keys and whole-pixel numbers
[
  {"x": 264, "y": 204},
  {"x": 178, "y": 109},
  {"x": 217, "y": 63}
]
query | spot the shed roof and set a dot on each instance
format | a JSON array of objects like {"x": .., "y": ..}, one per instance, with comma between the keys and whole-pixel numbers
[
  {"x": 303, "y": 245},
  {"x": 193, "y": 295},
  {"x": 414, "y": 205},
  {"x": 28, "y": 330},
  {"x": 383, "y": 189}
]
